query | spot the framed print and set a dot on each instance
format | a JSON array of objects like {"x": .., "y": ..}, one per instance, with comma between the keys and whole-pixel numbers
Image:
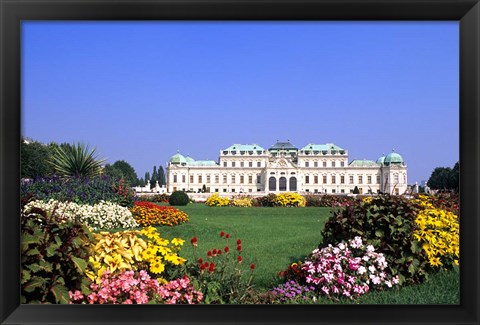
[{"x": 186, "y": 84}]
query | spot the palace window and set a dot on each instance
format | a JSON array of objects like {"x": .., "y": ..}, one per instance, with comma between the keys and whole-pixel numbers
[
  {"x": 306, "y": 164},
  {"x": 378, "y": 179},
  {"x": 307, "y": 179},
  {"x": 324, "y": 164},
  {"x": 360, "y": 179},
  {"x": 259, "y": 179},
  {"x": 224, "y": 164},
  {"x": 259, "y": 164},
  {"x": 342, "y": 179},
  {"x": 333, "y": 164},
  {"x": 250, "y": 164},
  {"x": 183, "y": 178},
  {"x": 233, "y": 164},
  {"x": 250, "y": 179},
  {"x": 174, "y": 178},
  {"x": 315, "y": 179},
  {"x": 396, "y": 178},
  {"x": 351, "y": 179},
  {"x": 217, "y": 179},
  {"x": 224, "y": 179},
  {"x": 369, "y": 179},
  {"x": 208, "y": 179},
  {"x": 233, "y": 179},
  {"x": 315, "y": 164},
  {"x": 241, "y": 179},
  {"x": 342, "y": 163},
  {"x": 324, "y": 179},
  {"x": 191, "y": 178},
  {"x": 200, "y": 178},
  {"x": 241, "y": 164},
  {"x": 334, "y": 179}
]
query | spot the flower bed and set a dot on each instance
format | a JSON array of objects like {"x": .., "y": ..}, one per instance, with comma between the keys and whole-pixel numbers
[{"x": 150, "y": 214}]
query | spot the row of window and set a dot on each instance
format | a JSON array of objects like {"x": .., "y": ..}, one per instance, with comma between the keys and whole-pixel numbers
[
  {"x": 208, "y": 179},
  {"x": 341, "y": 179},
  {"x": 243, "y": 164},
  {"x": 324, "y": 164}
]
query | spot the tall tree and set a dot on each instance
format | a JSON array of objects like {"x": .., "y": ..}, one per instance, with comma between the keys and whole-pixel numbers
[
  {"x": 154, "y": 178},
  {"x": 127, "y": 171},
  {"x": 445, "y": 178},
  {"x": 33, "y": 159},
  {"x": 147, "y": 177},
  {"x": 161, "y": 176}
]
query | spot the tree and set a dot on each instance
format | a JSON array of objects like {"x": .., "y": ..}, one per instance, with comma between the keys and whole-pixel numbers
[
  {"x": 127, "y": 171},
  {"x": 33, "y": 159},
  {"x": 445, "y": 178},
  {"x": 161, "y": 176},
  {"x": 76, "y": 160},
  {"x": 356, "y": 190},
  {"x": 154, "y": 178},
  {"x": 147, "y": 177}
]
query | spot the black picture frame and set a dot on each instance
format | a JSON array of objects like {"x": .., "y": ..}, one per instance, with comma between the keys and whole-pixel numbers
[{"x": 13, "y": 12}]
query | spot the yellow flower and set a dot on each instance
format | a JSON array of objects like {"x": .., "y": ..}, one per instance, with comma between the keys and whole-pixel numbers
[
  {"x": 177, "y": 241},
  {"x": 115, "y": 262},
  {"x": 157, "y": 266}
]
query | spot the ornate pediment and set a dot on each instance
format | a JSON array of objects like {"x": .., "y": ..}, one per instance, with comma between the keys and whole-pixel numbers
[{"x": 281, "y": 163}]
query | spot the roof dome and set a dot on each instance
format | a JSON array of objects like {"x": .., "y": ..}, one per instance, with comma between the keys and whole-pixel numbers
[
  {"x": 283, "y": 146},
  {"x": 393, "y": 158},
  {"x": 189, "y": 159},
  {"x": 178, "y": 159},
  {"x": 381, "y": 160}
]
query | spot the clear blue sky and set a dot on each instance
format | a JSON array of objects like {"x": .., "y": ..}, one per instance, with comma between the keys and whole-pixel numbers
[{"x": 140, "y": 91}]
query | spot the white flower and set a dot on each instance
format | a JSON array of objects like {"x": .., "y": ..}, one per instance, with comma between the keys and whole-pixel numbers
[
  {"x": 370, "y": 248},
  {"x": 361, "y": 270},
  {"x": 372, "y": 268}
]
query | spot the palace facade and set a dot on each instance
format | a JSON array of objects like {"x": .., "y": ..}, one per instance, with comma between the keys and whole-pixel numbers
[{"x": 314, "y": 168}]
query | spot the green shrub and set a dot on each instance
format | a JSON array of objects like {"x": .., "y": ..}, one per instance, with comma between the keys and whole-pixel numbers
[
  {"x": 388, "y": 223},
  {"x": 270, "y": 200},
  {"x": 54, "y": 255},
  {"x": 179, "y": 198},
  {"x": 326, "y": 200}
]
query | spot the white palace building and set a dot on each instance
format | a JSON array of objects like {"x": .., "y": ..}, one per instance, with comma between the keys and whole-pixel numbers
[{"x": 315, "y": 168}]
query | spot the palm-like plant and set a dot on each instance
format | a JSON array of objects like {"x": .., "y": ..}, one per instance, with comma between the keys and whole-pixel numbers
[{"x": 77, "y": 160}]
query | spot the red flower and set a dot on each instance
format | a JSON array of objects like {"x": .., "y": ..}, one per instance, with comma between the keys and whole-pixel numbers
[
  {"x": 194, "y": 241},
  {"x": 252, "y": 266},
  {"x": 222, "y": 234},
  {"x": 226, "y": 249},
  {"x": 239, "y": 259},
  {"x": 200, "y": 261},
  {"x": 239, "y": 248},
  {"x": 239, "y": 242},
  {"x": 219, "y": 252},
  {"x": 209, "y": 254},
  {"x": 211, "y": 268},
  {"x": 227, "y": 236},
  {"x": 202, "y": 266},
  {"x": 214, "y": 253}
]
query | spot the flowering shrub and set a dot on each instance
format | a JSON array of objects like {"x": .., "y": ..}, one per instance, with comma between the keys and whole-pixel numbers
[
  {"x": 215, "y": 200},
  {"x": 161, "y": 255},
  {"x": 438, "y": 232},
  {"x": 150, "y": 214},
  {"x": 222, "y": 275},
  {"x": 127, "y": 287},
  {"x": 180, "y": 291},
  {"x": 293, "y": 292},
  {"x": 79, "y": 190},
  {"x": 290, "y": 200},
  {"x": 242, "y": 201},
  {"x": 103, "y": 215},
  {"x": 445, "y": 201},
  {"x": 293, "y": 272},
  {"x": 387, "y": 222},
  {"x": 347, "y": 270}
]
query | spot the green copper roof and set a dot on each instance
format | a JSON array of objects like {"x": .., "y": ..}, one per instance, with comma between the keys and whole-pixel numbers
[
  {"x": 363, "y": 163},
  {"x": 202, "y": 163},
  {"x": 244, "y": 148},
  {"x": 189, "y": 159},
  {"x": 283, "y": 146},
  {"x": 178, "y": 159},
  {"x": 311, "y": 147},
  {"x": 393, "y": 158},
  {"x": 381, "y": 160}
]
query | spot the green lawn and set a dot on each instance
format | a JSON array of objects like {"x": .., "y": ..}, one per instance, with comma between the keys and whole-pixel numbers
[{"x": 273, "y": 238}]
